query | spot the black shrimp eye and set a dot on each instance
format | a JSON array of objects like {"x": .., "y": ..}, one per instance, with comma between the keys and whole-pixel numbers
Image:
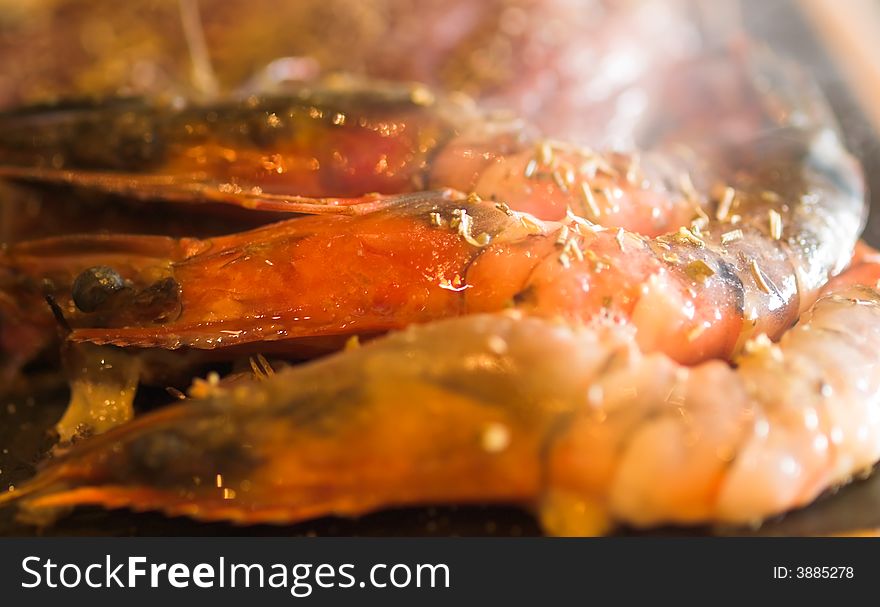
[{"x": 94, "y": 286}]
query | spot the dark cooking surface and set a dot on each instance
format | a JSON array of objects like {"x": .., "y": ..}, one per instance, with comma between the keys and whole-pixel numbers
[{"x": 24, "y": 421}]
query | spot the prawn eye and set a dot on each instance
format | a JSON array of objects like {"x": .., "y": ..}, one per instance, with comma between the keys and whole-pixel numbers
[{"x": 94, "y": 286}]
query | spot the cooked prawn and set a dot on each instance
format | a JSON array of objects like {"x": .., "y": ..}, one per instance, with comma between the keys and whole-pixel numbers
[
  {"x": 759, "y": 224},
  {"x": 786, "y": 222},
  {"x": 573, "y": 421},
  {"x": 322, "y": 148}
]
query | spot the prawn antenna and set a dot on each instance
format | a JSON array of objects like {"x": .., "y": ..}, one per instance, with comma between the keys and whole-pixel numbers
[
  {"x": 203, "y": 76},
  {"x": 63, "y": 325}
]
